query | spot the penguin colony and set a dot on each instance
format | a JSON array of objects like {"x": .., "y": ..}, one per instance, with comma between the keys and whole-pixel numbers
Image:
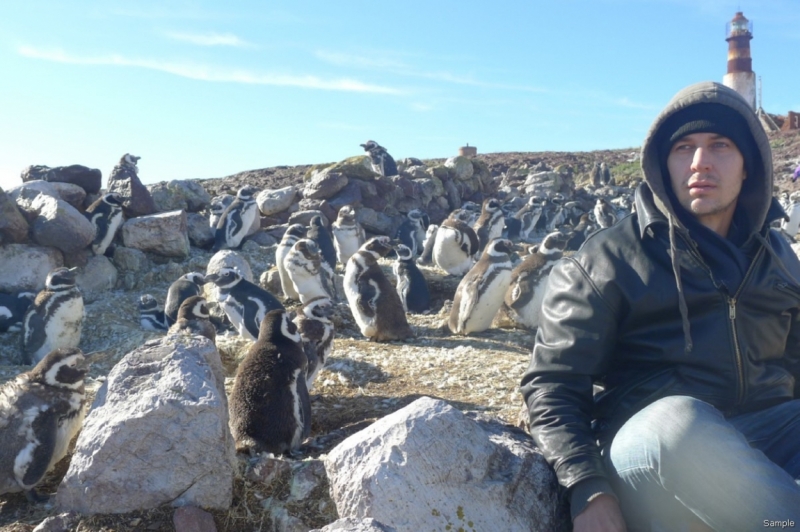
[{"x": 270, "y": 408}]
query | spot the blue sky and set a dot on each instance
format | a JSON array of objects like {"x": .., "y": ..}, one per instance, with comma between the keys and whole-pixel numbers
[{"x": 203, "y": 89}]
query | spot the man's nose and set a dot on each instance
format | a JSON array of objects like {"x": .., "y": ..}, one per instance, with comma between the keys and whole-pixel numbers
[{"x": 701, "y": 160}]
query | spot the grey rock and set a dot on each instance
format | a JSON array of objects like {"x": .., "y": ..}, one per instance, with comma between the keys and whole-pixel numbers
[
  {"x": 25, "y": 193},
  {"x": 349, "y": 195},
  {"x": 164, "y": 234},
  {"x": 324, "y": 185},
  {"x": 417, "y": 171},
  {"x": 376, "y": 222},
  {"x": 306, "y": 477},
  {"x": 13, "y": 226},
  {"x": 129, "y": 259},
  {"x": 59, "y": 523},
  {"x": 461, "y": 166},
  {"x": 179, "y": 194},
  {"x": 156, "y": 434},
  {"x": 268, "y": 469},
  {"x": 25, "y": 266},
  {"x": 89, "y": 179},
  {"x": 283, "y": 522},
  {"x": 193, "y": 519},
  {"x": 201, "y": 235},
  {"x": 270, "y": 281},
  {"x": 96, "y": 278},
  {"x": 358, "y": 167},
  {"x": 137, "y": 200},
  {"x": 58, "y": 224},
  {"x": 354, "y": 524},
  {"x": 263, "y": 239},
  {"x": 452, "y": 195},
  {"x": 304, "y": 217},
  {"x": 274, "y": 201},
  {"x": 430, "y": 467}
]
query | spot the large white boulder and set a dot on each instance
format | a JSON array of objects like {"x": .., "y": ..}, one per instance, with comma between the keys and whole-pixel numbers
[
  {"x": 25, "y": 266},
  {"x": 56, "y": 223},
  {"x": 274, "y": 201},
  {"x": 163, "y": 234}
]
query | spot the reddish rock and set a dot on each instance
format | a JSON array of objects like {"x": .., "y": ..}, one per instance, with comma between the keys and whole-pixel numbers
[{"x": 192, "y": 519}]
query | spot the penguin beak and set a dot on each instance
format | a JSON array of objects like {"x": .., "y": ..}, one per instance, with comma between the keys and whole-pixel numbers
[{"x": 211, "y": 278}]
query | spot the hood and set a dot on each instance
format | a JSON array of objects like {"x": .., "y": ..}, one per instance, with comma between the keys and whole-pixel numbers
[{"x": 756, "y": 194}]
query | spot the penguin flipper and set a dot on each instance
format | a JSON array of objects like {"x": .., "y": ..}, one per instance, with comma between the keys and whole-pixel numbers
[
  {"x": 367, "y": 294},
  {"x": 44, "y": 428},
  {"x": 305, "y": 406}
]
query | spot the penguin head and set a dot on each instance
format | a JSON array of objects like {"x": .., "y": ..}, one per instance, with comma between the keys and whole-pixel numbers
[
  {"x": 347, "y": 214},
  {"x": 491, "y": 205},
  {"x": 195, "y": 277},
  {"x": 62, "y": 368},
  {"x": 415, "y": 215},
  {"x": 147, "y": 302},
  {"x": 500, "y": 246},
  {"x": 319, "y": 307},
  {"x": 129, "y": 160},
  {"x": 555, "y": 242},
  {"x": 308, "y": 248},
  {"x": 194, "y": 307},
  {"x": 220, "y": 203},
  {"x": 317, "y": 222},
  {"x": 113, "y": 199},
  {"x": 403, "y": 252},
  {"x": 61, "y": 279},
  {"x": 294, "y": 232},
  {"x": 370, "y": 145},
  {"x": 246, "y": 192},
  {"x": 224, "y": 278},
  {"x": 380, "y": 245},
  {"x": 277, "y": 325}
]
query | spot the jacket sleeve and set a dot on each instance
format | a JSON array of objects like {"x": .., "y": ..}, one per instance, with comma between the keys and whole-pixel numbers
[{"x": 574, "y": 343}]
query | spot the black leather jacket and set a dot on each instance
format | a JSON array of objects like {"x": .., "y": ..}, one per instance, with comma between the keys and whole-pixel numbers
[{"x": 611, "y": 316}]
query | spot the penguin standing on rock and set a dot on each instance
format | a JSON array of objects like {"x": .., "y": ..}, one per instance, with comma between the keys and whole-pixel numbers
[
  {"x": 151, "y": 316},
  {"x": 373, "y": 300},
  {"x": 40, "y": 412},
  {"x": 411, "y": 232},
  {"x": 106, "y": 217},
  {"x": 292, "y": 235},
  {"x": 236, "y": 221},
  {"x": 348, "y": 235},
  {"x": 455, "y": 245},
  {"x": 13, "y": 308},
  {"x": 243, "y": 302},
  {"x": 382, "y": 162},
  {"x": 55, "y": 319},
  {"x": 411, "y": 285},
  {"x": 322, "y": 237},
  {"x": 270, "y": 409},
  {"x": 480, "y": 293},
  {"x": 490, "y": 223},
  {"x": 194, "y": 318},
  {"x": 188, "y": 285},
  {"x": 317, "y": 331}
]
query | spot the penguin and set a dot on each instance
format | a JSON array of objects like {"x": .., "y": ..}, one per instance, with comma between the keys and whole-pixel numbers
[
  {"x": 303, "y": 265},
  {"x": 151, "y": 317},
  {"x": 219, "y": 204},
  {"x": 455, "y": 245},
  {"x": 322, "y": 237},
  {"x": 577, "y": 236},
  {"x": 411, "y": 232},
  {"x": 348, "y": 235},
  {"x": 41, "y": 410},
  {"x": 12, "y": 310},
  {"x": 244, "y": 303},
  {"x": 427, "y": 245},
  {"x": 294, "y": 233},
  {"x": 490, "y": 223},
  {"x": 270, "y": 409},
  {"x": 194, "y": 318},
  {"x": 382, "y": 162},
  {"x": 188, "y": 285},
  {"x": 54, "y": 319},
  {"x": 605, "y": 174},
  {"x": 479, "y": 295},
  {"x": 522, "y": 301},
  {"x": 236, "y": 221},
  {"x": 373, "y": 300},
  {"x": 411, "y": 285},
  {"x": 317, "y": 331},
  {"x": 604, "y": 213},
  {"x": 106, "y": 217}
]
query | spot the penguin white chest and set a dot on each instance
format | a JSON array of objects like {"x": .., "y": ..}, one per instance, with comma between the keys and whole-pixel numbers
[
  {"x": 447, "y": 252},
  {"x": 479, "y": 307},
  {"x": 63, "y": 328},
  {"x": 346, "y": 241}
]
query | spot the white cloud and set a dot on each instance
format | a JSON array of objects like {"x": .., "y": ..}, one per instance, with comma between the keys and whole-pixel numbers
[
  {"x": 209, "y": 39},
  {"x": 211, "y": 73}
]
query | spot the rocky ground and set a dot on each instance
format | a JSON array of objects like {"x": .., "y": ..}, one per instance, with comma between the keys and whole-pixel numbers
[{"x": 363, "y": 381}]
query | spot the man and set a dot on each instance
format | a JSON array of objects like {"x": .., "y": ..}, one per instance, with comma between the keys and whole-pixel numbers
[{"x": 687, "y": 314}]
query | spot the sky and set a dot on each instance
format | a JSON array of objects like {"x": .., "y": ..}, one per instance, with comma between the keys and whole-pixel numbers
[{"x": 201, "y": 89}]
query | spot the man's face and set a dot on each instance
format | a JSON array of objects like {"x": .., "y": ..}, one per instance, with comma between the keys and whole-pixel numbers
[{"x": 706, "y": 171}]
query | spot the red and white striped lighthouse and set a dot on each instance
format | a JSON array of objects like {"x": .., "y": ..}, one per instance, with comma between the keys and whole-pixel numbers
[{"x": 740, "y": 76}]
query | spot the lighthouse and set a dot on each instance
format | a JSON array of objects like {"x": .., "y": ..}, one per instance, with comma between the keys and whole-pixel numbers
[{"x": 740, "y": 76}]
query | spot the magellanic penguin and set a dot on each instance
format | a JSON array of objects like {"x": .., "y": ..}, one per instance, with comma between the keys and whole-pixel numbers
[
  {"x": 293, "y": 233},
  {"x": 219, "y": 204},
  {"x": 411, "y": 284},
  {"x": 427, "y": 245},
  {"x": 490, "y": 223},
  {"x": 55, "y": 318},
  {"x": 604, "y": 213},
  {"x": 13, "y": 308},
  {"x": 373, "y": 300},
  {"x": 382, "y": 163},
  {"x": 151, "y": 316},
  {"x": 304, "y": 266},
  {"x": 322, "y": 237},
  {"x": 270, "y": 409},
  {"x": 243, "y": 302},
  {"x": 237, "y": 220},
  {"x": 317, "y": 331},
  {"x": 40, "y": 412},
  {"x": 348, "y": 235},
  {"x": 411, "y": 232},
  {"x": 194, "y": 318},
  {"x": 523, "y": 297},
  {"x": 106, "y": 217},
  {"x": 186, "y": 286},
  {"x": 480, "y": 293},
  {"x": 455, "y": 246}
]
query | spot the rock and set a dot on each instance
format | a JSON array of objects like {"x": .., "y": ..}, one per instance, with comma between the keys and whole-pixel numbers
[
  {"x": 263, "y": 239},
  {"x": 328, "y": 212},
  {"x": 352, "y": 524},
  {"x": 13, "y": 226},
  {"x": 324, "y": 185},
  {"x": 304, "y": 217},
  {"x": 137, "y": 201},
  {"x": 268, "y": 469},
  {"x": 164, "y": 234},
  {"x": 157, "y": 434},
  {"x": 462, "y": 167},
  {"x": 25, "y": 266},
  {"x": 129, "y": 259},
  {"x": 270, "y": 281},
  {"x": 97, "y": 277},
  {"x": 377, "y": 222},
  {"x": 226, "y": 258},
  {"x": 416, "y": 171},
  {"x": 200, "y": 233},
  {"x": 89, "y": 179},
  {"x": 306, "y": 477},
  {"x": 192, "y": 519},
  {"x": 430, "y": 467},
  {"x": 274, "y": 201},
  {"x": 65, "y": 522},
  {"x": 283, "y": 522},
  {"x": 179, "y": 194},
  {"x": 453, "y": 195},
  {"x": 349, "y": 195},
  {"x": 358, "y": 167},
  {"x": 58, "y": 224},
  {"x": 72, "y": 194}
]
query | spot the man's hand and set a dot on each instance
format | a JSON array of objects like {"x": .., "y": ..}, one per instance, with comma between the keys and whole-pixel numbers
[{"x": 601, "y": 515}]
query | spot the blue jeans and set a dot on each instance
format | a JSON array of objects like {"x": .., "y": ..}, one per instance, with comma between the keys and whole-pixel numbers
[{"x": 679, "y": 461}]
